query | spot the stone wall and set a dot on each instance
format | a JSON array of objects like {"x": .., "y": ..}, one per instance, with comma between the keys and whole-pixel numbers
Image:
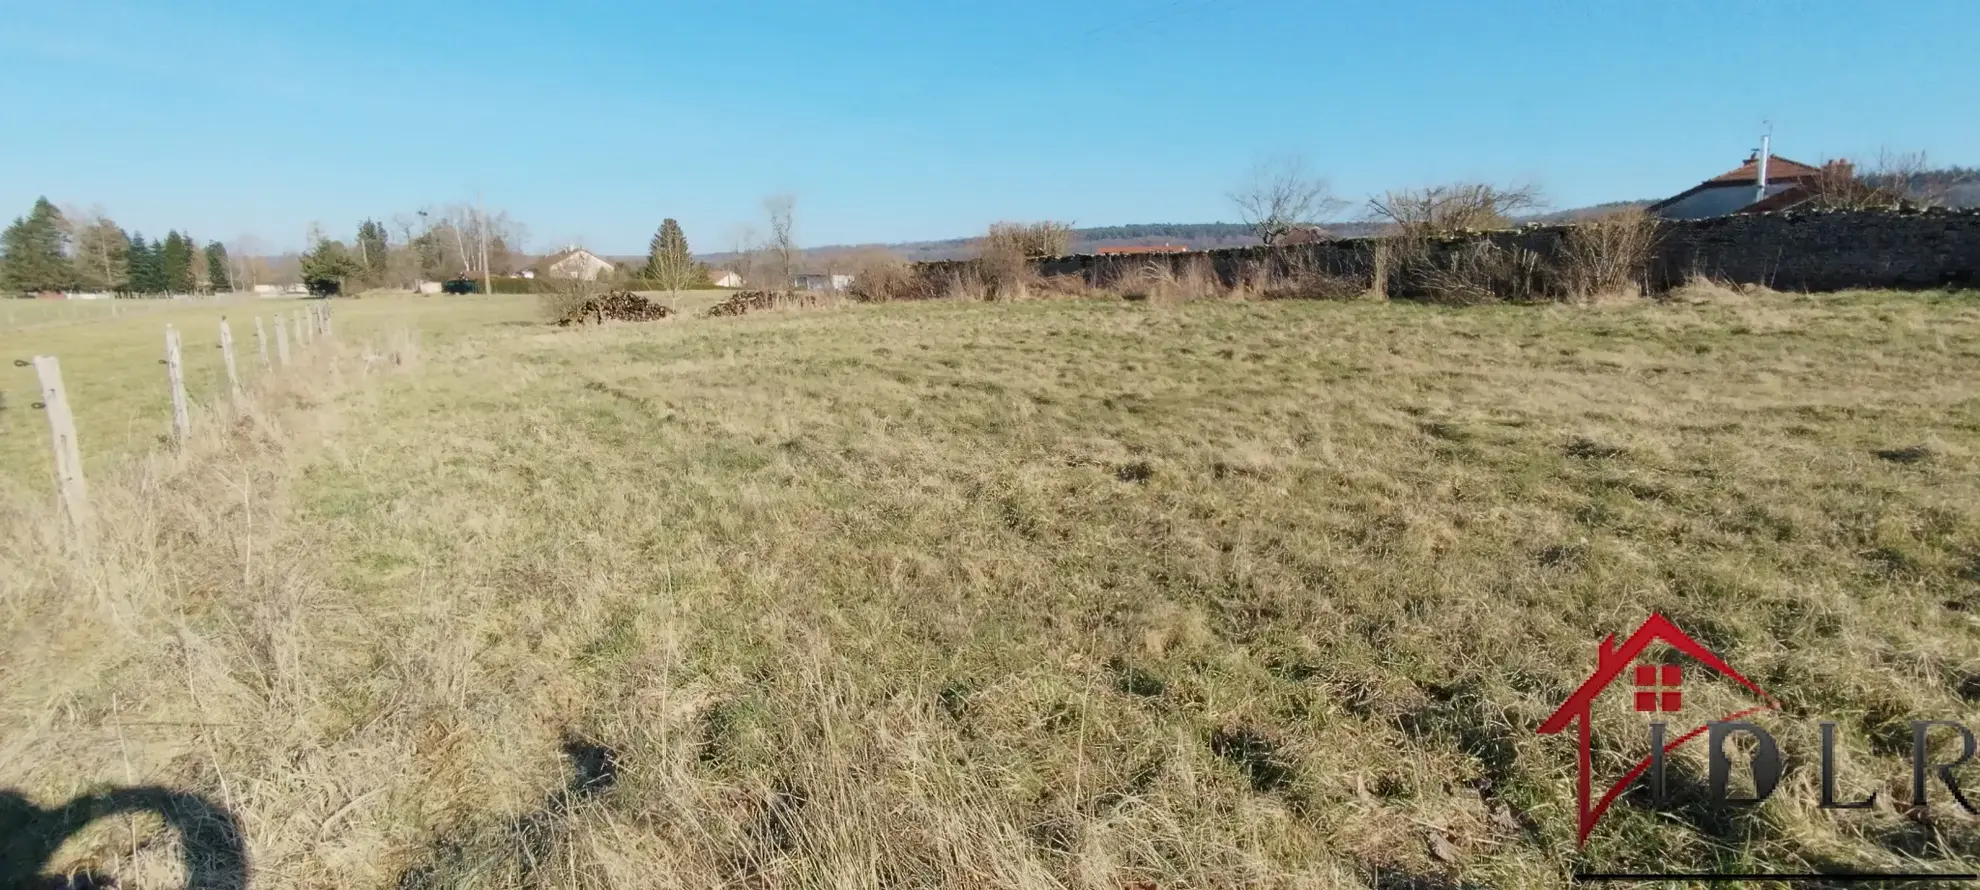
[
  {"x": 1825, "y": 251},
  {"x": 1803, "y": 251}
]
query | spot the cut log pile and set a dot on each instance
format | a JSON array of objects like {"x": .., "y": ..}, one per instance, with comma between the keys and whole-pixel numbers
[
  {"x": 760, "y": 300},
  {"x": 615, "y": 305}
]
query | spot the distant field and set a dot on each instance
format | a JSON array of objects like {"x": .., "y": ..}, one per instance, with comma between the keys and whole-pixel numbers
[
  {"x": 118, "y": 388},
  {"x": 1041, "y": 594}
]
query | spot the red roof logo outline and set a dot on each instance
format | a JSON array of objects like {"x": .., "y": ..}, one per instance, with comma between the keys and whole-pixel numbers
[{"x": 1611, "y": 662}]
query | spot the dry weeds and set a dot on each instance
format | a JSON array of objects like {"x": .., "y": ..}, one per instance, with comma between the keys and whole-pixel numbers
[{"x": 1054, "y": 594}]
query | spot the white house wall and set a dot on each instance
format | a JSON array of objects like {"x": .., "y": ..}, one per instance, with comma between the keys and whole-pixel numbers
[{"x": 1718, "y": 200}]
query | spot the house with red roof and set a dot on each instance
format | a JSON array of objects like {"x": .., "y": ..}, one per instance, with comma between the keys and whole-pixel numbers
[{"x": 1758, "y": 185}]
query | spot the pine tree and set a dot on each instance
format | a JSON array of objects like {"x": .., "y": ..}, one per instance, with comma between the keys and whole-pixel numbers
[
  {"x": 175, "y": 264},
  {"x": 217, "y": 271},
  {"x": 669, "y": 264},
  {"x": 328, "y": 267},
  {"x": 31, "y": 252},
  {"x": 146, "y": 276},
  {"x": 373, "y": 250}
]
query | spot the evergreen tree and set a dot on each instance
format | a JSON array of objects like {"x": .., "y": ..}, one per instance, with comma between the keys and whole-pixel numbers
[
  {"x": 432, "y": 257},
  {"x": 373, "y": 250},
  {"x": 217, "y": 272},
  {"x": 328, "y": 267},
  {"x": 175, "y": 264},
  {"x": 31, "y": 251},
  {"x": 146, "y": 275},
  {"x": 669, "y": 264}
]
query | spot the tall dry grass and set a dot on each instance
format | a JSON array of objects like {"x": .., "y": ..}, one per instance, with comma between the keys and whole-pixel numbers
[
  {"x": 1061, "y": 594},
  {"x": 176, "y": 641}
]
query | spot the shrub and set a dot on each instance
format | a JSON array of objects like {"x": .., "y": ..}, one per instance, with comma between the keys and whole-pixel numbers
[
  {"x": 1607, "y": 255},
  {"x": 1468, "y": 272},
  {"x": 1009, "y": 250},
  {"x": 512, "y": 285},
  {"x": 1446, "y": 209},
  {"x": 1894, "y": 180},
  {"x": 560, "y": 299},
  {"x": 880, "y": 277}
]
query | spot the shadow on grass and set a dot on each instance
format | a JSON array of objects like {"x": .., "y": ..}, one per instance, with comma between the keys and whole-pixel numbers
[
  {"x": 516, "y": 846},
  {"x": 212, "y": 852}
]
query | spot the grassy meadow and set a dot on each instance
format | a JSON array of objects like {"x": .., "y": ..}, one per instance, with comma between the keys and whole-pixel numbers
[{"x": 1071, "y": 593}]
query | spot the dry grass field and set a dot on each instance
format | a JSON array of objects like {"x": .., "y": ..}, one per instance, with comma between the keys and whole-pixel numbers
[{"x": 1034, "y": 595}]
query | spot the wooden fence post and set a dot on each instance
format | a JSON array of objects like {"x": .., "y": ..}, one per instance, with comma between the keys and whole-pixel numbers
[
  {"x": 175, "y": 371},
  {"x": 281, "y": 339},
  {"x": 261, "y": 342},
  {"x": 62, "y": 433},
  {"x": 227, "y": 355}
]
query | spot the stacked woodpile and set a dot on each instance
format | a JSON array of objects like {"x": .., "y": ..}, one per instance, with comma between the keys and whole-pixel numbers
[
  {"x": 760, "y": 300},
  {"x": 615, "y": 305}
]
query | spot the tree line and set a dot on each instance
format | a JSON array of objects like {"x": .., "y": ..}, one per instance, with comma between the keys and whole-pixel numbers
[
  {"x": 469, "y": 246},
  {"x": 53, "y": 250},
  {"x": 46, "y": 250}
]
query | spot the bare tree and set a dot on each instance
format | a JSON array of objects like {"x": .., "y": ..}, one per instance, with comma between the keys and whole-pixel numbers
[
  {"x": 100, "y": 248},
  {"x": 1440, "y": 209},
  {"x": 1279, "y": 196},
  {"x": 246, "y": 264},
  {"x": 782, "y": 245},
  {"x": 743, "y": 242},
  {"x": 1894, "y": 179}
]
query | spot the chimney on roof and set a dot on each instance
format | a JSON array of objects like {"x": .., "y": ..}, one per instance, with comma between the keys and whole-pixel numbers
[{"x": 1760, "y": 192}]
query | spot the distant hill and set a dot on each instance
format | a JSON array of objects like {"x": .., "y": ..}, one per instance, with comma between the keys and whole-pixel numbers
[
  {"x": 1195, "y": 236},
  {"x": 1210, "y": 236},
  {"x": 1579, "y": 213}
]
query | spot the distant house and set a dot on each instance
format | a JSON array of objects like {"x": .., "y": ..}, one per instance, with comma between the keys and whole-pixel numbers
[
  {"x": 571, "y": 262},
  {"x": 1742, "y": 189},
  {"x": 1140, "y": 249},
  {"x": 821, "y": 281},
  {"x": 267, "y": 290},
  {"x": 724, "y": 278}
]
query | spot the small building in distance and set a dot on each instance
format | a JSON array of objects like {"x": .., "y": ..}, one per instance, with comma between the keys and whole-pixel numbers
[
  {"x": 1741, "y": 189},
  {"x": 571, "y": 262},
  {"x": 724, "y": 278},
  {"x": 827, "y": 282}
]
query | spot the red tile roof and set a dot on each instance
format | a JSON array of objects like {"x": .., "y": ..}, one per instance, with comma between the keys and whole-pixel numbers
[
  {"x": 1779, "y": 169},
  {"x": 1783, "y": 200}
]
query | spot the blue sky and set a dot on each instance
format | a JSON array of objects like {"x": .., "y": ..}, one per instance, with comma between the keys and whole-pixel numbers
[{"x": 897, "y": 120}]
